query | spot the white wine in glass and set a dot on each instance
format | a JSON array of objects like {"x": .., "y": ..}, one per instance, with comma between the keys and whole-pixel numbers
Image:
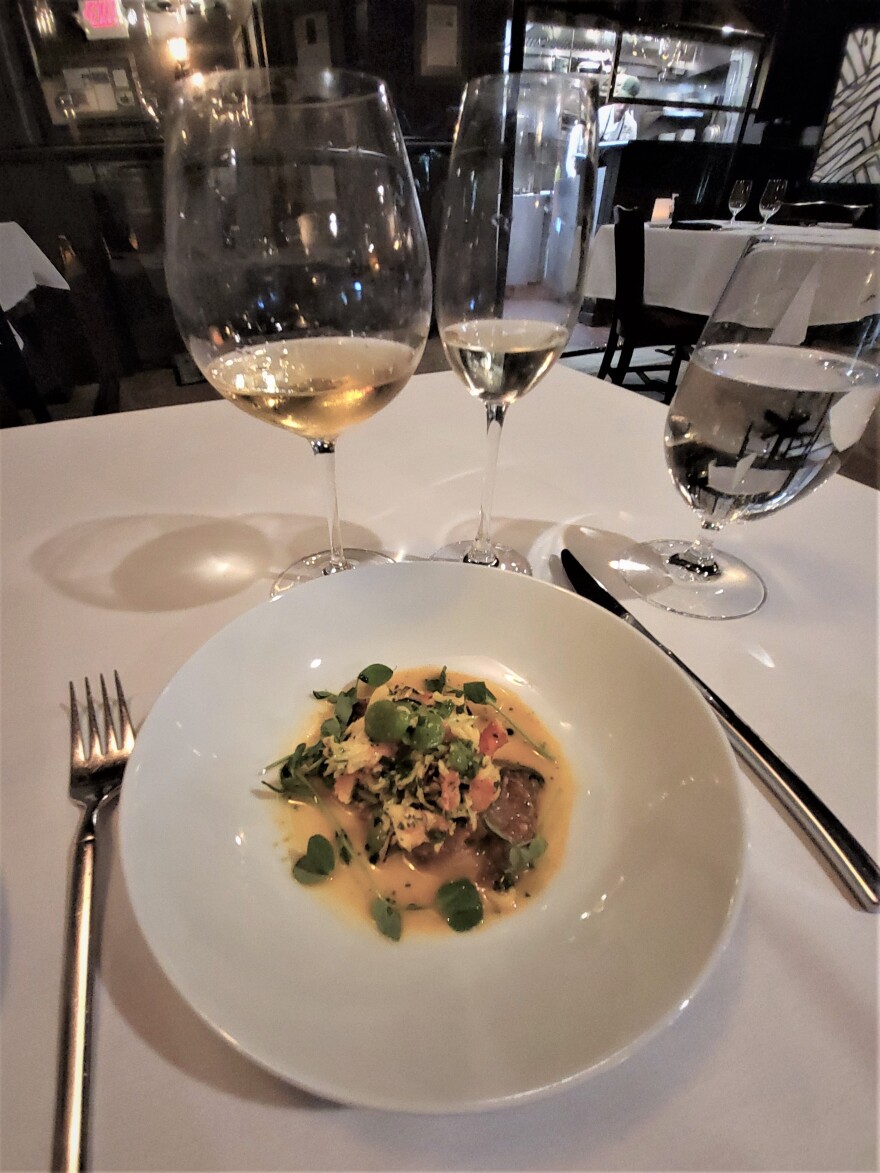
[
  {"x": 296, "y": 256},
  {"x": 517, "y": 214}
]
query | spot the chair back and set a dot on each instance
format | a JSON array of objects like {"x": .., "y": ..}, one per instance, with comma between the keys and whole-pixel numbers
[{"x": 629, "y": 264}]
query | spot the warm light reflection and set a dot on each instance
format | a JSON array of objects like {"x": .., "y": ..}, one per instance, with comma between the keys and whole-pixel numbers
[
  {"x": 178, "y": 50},
  {"x": 763, "y": 657},
  {"x": 44, "y": 19}
]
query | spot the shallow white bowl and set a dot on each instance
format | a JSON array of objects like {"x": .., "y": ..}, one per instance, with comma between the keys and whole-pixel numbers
[{"x": 612, "y": 950}]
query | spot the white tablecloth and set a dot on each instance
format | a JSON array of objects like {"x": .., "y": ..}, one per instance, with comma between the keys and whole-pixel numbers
[
  {"x": 128, "y": 540},
  {"x": 687, "y": 269},
  {"x": 23, "y": 266}
]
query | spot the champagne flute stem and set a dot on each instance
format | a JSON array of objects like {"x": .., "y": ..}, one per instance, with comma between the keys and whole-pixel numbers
[
  {"x": 699, "y": 558},
  {"x": 325, "y": 450},
  {"x": 481, "y": 552}
]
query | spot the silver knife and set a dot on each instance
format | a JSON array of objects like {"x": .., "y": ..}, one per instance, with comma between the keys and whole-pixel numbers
[{"x": 854, "y": 866}]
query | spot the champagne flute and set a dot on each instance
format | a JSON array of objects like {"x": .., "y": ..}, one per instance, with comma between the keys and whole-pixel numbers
[
  {"x": 771, "y": 198},
  {"x": 739, "y": 197},
  {"x": 513, "y": 250},
  {"x": 296, "y": 256},
  {"x": 783, "y": 382}
]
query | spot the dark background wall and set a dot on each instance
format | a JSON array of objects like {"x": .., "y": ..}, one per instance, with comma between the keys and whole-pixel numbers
[{"x": 97, "y": 195}]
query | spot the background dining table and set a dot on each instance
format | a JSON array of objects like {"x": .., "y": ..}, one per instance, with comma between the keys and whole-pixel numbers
[
  {"x": 128, "y": 540},
  {"x": 687, "y": 268}
]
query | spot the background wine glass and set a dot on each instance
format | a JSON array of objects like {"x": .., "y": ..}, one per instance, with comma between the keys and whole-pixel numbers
[
  {"x": 772, "y": 198},
  {"x": 517, "y": 215},
  {"x": 296, "y": 256},
  {"x": 782, "y": 383},
  {"x": 739, "y": 197}
]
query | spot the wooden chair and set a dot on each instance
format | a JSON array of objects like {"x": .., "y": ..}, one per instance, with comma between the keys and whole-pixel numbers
[{"x": 635, "y": 324}]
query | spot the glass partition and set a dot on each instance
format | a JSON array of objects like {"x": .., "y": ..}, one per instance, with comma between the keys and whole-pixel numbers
[{"x": 666, "y": 84}]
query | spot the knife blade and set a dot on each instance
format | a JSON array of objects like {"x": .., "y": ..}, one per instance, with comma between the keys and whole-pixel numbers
[{"x": 849, "y": 860}]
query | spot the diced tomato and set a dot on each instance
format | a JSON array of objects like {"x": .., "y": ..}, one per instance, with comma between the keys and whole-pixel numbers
[
  {"x": 492, "y": 738},
  {"x": 482, "y": 792}
]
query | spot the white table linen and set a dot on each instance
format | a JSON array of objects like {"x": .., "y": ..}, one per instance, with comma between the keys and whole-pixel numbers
[
  {"x": 687, "y": 269},
  {"x": 128, "y": 540}
]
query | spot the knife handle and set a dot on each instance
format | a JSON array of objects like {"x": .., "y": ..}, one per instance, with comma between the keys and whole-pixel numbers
[{"x": 854, "y": 866}]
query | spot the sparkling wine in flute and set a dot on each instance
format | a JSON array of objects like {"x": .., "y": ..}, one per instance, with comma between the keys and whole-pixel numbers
[
  {"x": 501, "y": 359},
  {"x": 754, "y": 427},
  {"x": 315, "y": 387}
]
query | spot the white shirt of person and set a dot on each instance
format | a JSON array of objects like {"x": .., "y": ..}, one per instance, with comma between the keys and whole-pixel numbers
[{"x": 616, "y": 124}]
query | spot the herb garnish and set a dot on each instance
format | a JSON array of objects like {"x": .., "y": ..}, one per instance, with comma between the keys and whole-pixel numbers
[
  {"x": 387, "y": 917},
  {"x": 419, "y": 768},
  {"x": 460, "y": 903},
  {"x": 317, "y": 863}
]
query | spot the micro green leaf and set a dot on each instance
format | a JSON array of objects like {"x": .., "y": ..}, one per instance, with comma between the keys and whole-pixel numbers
[
  {"x": 437, "y": 683},
  {"x": 331, "y": 728},
  {"x": 321, "y": 694},
  {"x": 344, "y": 706},
  {"x": 376, "y": 674},
  {"x": 464, "y": 758},
  {"x": 525, "y": 855},
  {"x": 291, "y": 760},
  {"x": 477, "y": 693},
  {"x": 293, "y": 786},
  {"x": 317, "y": 863},
  {"x": 387, "y": 917},
  {"x": 460, "y": 904}
]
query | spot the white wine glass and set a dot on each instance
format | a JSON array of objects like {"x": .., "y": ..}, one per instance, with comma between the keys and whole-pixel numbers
[
  {"x": 739, "y": 197},
  {"x": 517, "y": 215},
  {"x": 781, "y": 385},
  {"x": 296, "y": 256},
  {"x": 772, "y": 198}
]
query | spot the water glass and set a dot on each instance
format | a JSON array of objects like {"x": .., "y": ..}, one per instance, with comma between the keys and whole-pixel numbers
[{"x": 781, "y": 385}]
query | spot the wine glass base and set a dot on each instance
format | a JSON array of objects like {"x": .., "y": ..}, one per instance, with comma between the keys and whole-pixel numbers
[
  {"x": 733, "y": 591},
  {"x": 319, "y": 566},
  {"x": 504, "y": 558}
]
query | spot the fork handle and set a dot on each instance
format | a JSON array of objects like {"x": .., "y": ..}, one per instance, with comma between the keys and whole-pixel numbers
[{"x": 72, "y": 1098}]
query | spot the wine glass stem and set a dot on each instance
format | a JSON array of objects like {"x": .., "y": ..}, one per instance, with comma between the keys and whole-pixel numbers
[
  {"x": 481, "y": 551},
  {"x": 699, "y": 558},
  {"x": 326, "y": 451}
]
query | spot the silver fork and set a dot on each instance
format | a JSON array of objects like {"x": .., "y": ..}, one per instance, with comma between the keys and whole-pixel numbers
[{"x": 95, "y": 779}]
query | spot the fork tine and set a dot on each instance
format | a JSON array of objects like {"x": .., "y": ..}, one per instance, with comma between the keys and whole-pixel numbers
[
  {"x": 77, "y": 754},
  {"x": 124, "y": 719},
  {"x": 95, "y": 750},
  {"x": 110, "y": 743}
]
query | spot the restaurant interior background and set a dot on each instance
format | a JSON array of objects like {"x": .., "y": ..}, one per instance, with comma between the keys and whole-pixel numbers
[{"x": 728, "y": 89}]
